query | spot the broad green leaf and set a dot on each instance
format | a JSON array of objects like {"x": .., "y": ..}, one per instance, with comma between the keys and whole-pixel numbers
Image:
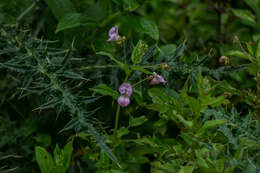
[
  {"x": 176, "y": 116},
  {"x": 245, "y": 15},
  {"x": 132, "y": 4},
  {"x": 43, "y": 139},
  {"x": 73, "y": 20},
  {"x": 238, "y": 54},
  {"x": 213, "y": 101},
  {"x": 200, "y": 154},
  {"x": 210, "y": 124},
  {"x": 250, "y": 48},
  {"x": 159, "y": 107},
  {"x": 187, "y": 138},
  {"x": 67, "y": 152},
  {"x": 106, "y": 90},
  {"x": 44, "y": 160},
  {"x": 138, "y": 52},
  {"x": 58, "y": 160},
  {"x": 138, "y": 96},
  {"x": 60, "y": 8},
  {"x": 122, "y": 131},
  {"x": 150, "y": 28},
  {"x": 255, "y": 5},
  {"x": 137, "y": 121},
  {"x": 62, "y": 157}
]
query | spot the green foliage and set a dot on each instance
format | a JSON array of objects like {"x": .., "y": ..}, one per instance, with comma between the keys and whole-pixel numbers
[
  {"x": 60, "y": 79},
  {"x": 59, "y": 163}
]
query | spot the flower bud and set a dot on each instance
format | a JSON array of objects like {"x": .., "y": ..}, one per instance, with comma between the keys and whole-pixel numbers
[
  {"x": 156, "y": 79},
  {"x": 125, "y": 89},
  {"x": 113, "y": 34},
  {"x": 224, "y": 59},
  {"x": 123, "y": 100}
]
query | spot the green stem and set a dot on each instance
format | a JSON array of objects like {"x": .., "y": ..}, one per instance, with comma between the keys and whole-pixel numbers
[
  {"x": 116, "y": 120},
  {"x": 97, "y": 67},
  {"x": 114, "y": 66},
  {"x": 29, "y": 9},
  {"x": 140, "y": 82}
]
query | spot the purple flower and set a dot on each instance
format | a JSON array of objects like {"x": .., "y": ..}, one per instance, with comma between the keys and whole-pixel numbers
[
  {"x": 125, "y": 89},
  {"x": 156, "y": 79},
  {"x": 123, "y": 100},
  {"x": 113, "y": 34}
]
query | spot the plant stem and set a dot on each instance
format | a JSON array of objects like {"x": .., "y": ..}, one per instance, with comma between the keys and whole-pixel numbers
[
  {"x": 116, "y": 121},
  {"x": 29, "y": 9},
  {"x": 140, "y": 82}
]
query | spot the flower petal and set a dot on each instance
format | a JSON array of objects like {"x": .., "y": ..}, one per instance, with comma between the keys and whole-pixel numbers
[{"x": 123, "y": 101}]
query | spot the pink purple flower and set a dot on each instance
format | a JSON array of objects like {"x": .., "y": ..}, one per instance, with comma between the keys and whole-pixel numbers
[
  {"x": 113, "y": 34},
  {"x": 125, "y": 92},
  {"x": 123, "y": 100},
  {"x": 125, "y": 89},
  {"x": 156, "y": 79}
]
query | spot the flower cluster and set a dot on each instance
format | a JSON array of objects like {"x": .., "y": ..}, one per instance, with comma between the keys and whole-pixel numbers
[
  {"x": 126, "y": 89},
  {"x": 125, "y": 92},
  {"x": 224, "y": 59},
  {"x": 156, "y": 79},
  {"x": 113, "y": 34}
]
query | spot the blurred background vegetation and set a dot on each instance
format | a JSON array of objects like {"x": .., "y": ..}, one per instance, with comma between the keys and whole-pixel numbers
[{"x": 69, "y": 33}]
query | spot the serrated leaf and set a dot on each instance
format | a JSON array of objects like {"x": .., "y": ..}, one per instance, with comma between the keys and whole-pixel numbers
[
  {"x": 210, "y": 124},
  {"x": 102, "y": 144}
]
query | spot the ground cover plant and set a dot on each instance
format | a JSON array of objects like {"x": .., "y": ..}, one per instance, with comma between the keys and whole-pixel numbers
[{"x": 122, "y": 86}]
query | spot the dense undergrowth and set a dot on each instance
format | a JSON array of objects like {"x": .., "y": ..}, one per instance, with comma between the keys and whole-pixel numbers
[{"x": 129, "y": 86}]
